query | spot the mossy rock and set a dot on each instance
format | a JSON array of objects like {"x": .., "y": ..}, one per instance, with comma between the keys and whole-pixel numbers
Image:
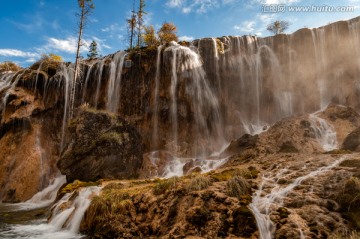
[
  {"x": 338, "y": 151},
  {"x": 103, "y": 146},
  {"x": 248, "y": 173},
  {"x": 244, "y": 222},
  {"x": 288, "y": 147},
  {"x": 70, "y": 187}
]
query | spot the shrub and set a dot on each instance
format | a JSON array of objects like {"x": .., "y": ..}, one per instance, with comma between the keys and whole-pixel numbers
[
  {"x": 237, "y": 187},
  {"x": 47, "y": 63},
  {"x": 164, "y": 185},
  {"x": 198, "y": 183},
  {"x": 9, "y": 66}
]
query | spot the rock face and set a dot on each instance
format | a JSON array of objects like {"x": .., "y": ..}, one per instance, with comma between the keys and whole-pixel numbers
[
  {"x": 29, "y": 135},
  {"x": 304, "y": 134},
  {"x": 102, "y": 145}
]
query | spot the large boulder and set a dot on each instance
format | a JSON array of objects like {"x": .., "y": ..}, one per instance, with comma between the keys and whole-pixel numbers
[
  {"x": 352, "y": 141},
  {"x": 102, "y": 145}
]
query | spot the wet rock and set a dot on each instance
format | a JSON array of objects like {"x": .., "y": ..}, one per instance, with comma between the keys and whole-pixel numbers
[
  {"x": 352, "y": 141},
  {"x": 245, "y": 142},
  {"x": 102, "y": 146},
  {"x": 288, "y": 147}
]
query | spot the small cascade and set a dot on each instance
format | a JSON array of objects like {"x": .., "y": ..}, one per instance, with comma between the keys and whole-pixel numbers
[
  {"x": 8, "y": 85},
  {"x": 324, "y": 132},
  {"x": 114, "y": 85},
  {"x": 70, "y": 218},
  {"x": 88, "y": 74},
  {"x": 176, "y": 166},
  {"x": 45, "y": 197},
  {"x": 270, "y": 195}
]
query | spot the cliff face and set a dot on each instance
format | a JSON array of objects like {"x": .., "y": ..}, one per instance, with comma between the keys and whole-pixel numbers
[{"x": 186, "y": 100}]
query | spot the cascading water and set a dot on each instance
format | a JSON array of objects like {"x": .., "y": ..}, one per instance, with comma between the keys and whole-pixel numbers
[
  {"x": 155, "y": 118},
  {"x": 324, "y": 132},
  {"x": 66, "y": 214},
  {"x": 186, "y": 66},
  {"x": 271, "y": 194},
  {"x": 70, "y": 218},
  {"x": 114, "y": 85}
]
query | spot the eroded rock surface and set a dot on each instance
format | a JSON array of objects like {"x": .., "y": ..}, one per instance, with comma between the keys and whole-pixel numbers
[{"x": 101, "y": 145}]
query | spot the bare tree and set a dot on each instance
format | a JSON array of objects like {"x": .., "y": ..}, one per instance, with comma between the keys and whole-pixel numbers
[
  {"x": 278, "y": 27},
  {"x": 86, "y": 7},
  {"x": 140, "y": 21},
  {"x": 131, "y": 26}
]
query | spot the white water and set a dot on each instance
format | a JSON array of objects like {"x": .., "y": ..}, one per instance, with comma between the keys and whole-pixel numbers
[
  {"x": 38, "y": 230},
  {"x": 71, "y": 217},
  {"x": 114, "y": 85},
  {"x": 265, "y": 202},
  {"x": 176, "y": 165},
  {"x": 324, "y": 132},
  {"x": 155, "y": 118},
  {"x": 186, "y": 66},
  {"x": 47, "y": 195}
]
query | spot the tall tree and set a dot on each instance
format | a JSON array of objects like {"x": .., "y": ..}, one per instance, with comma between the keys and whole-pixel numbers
[
  {"x": 131, "y": 26},
  {"x": 278, "y": 27},
  {"x": 86, "y": 7},
  {"x": 167, "y": 33},
  {"x": 140, "y": 21},
  {"x": 93, "y": 50}
]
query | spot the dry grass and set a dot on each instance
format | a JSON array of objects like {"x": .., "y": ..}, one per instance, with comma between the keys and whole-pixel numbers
[
  {"x": 164, "y": 185},
  {"x": 352, "y": 235},
  {"x": 237, "y": 187},
  {"x": 200, "y": 182}
]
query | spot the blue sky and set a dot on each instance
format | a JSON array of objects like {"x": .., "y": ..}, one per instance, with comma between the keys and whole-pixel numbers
[{"x": 30, "y": 28}]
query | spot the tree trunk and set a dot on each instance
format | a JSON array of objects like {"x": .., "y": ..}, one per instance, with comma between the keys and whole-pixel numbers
[{"x": 76, "y": 70}]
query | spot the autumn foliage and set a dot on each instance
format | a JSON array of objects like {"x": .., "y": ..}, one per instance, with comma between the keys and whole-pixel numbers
[{"x": 167, "y": 33}]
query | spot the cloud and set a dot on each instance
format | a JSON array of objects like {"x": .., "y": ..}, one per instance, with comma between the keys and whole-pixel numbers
[
  {"x": 35, "y": 23},
  {"x": 17, "y": 53},
  {"x": 111, "y": 28},
  {"x": 66, "y": 45},
  {"x": 31, "y": 60},
  {"x": 278, "y": 1},
  {"x": 175, "y": 3},
  {"x": 247, "y": 26},
  {"x": 198, "y": 6},
  {"x": 93, "y": 20},
  {"x": 186, "y": 38}
]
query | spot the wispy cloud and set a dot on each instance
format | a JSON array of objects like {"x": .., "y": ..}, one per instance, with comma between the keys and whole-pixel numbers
[
  {"x": 69, "y": 45},
  {"x": 186, "y": 38},
  {"x": 278, "y": 1},
  {"x": 246, "y": 27},
  {"x": 17, "y": 53},
  {"x": 197, "y": 6}
]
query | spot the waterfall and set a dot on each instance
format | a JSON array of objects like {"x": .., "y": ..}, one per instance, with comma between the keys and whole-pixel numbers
[
  {"x": 46, "y": 196},
  {"x": 99, "y": 78},
  {"x": 66, "y": 74},
  {"x": 114, "y": 85},
  {"x": 270, "y": 196},
  {"x": 186, "y": 67},
  {"x": 71, "y": 217},
  {"x": 155, "y": 117},
  {"x": 324, "y": 132}
]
